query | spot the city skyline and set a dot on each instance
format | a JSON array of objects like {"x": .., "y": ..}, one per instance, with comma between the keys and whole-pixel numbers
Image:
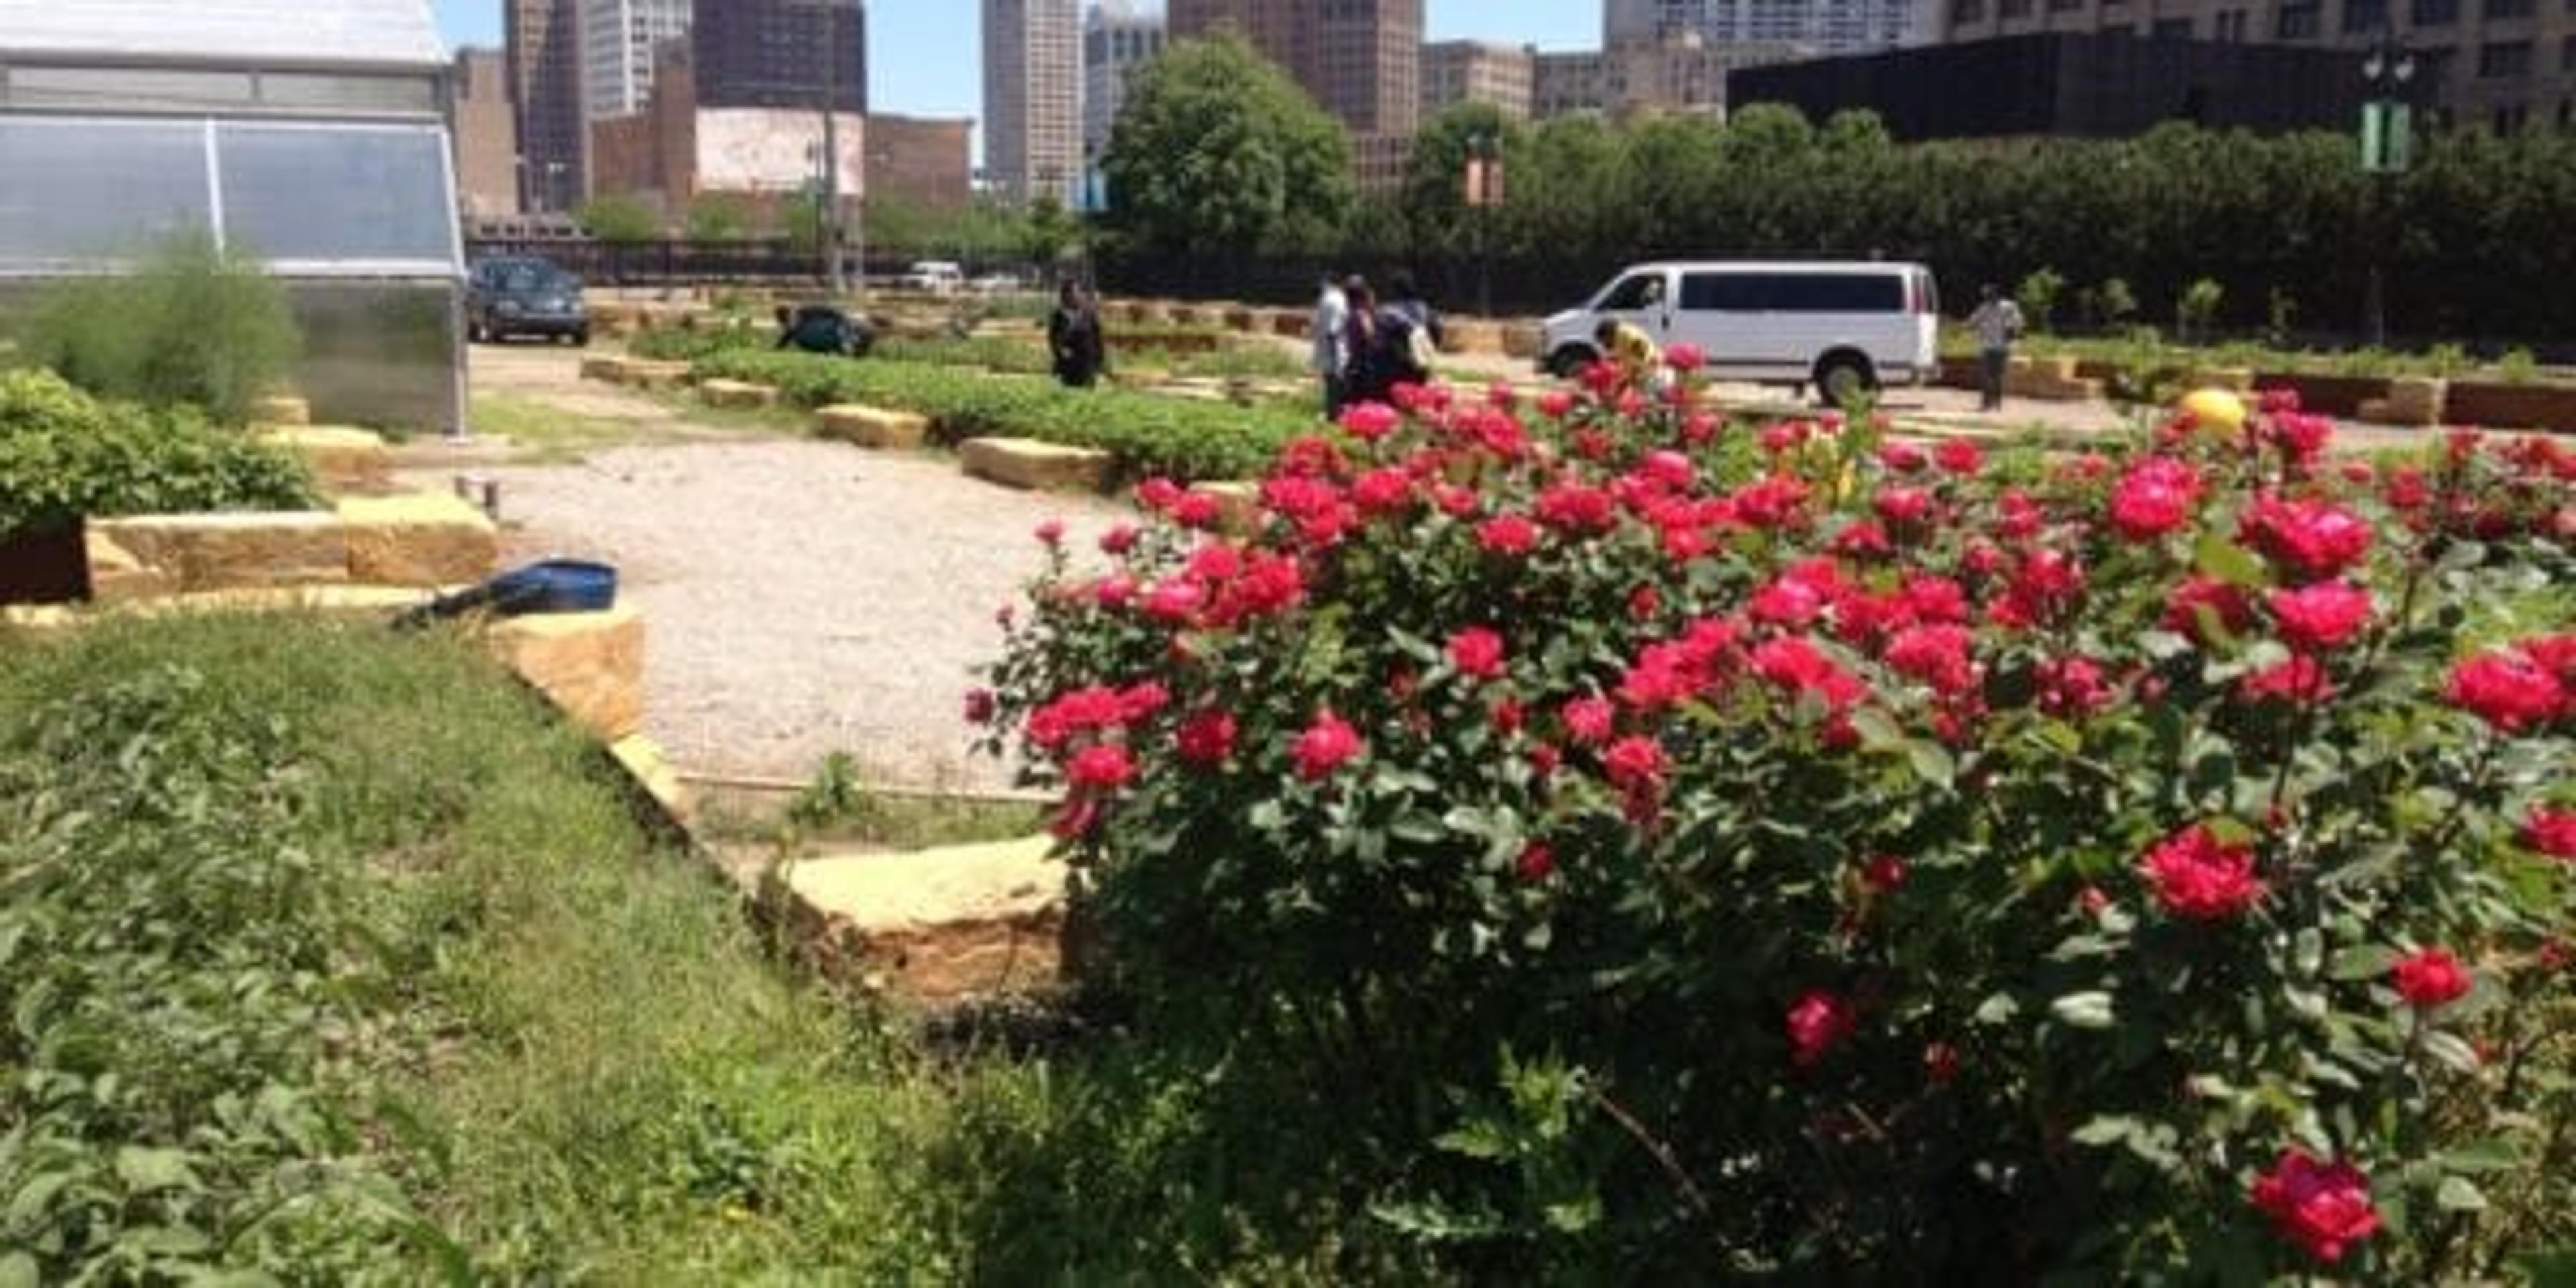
[{"x": 928, "y": 52}]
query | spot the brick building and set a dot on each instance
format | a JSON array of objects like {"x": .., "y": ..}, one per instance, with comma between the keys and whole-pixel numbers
[
  {"x": 1472, "y": 71},
  {"x": 487, "y": 135},
  {"x": 926, "y": 164}
]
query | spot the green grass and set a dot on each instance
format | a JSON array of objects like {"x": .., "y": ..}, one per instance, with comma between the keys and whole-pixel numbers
[
  {"x": 333, "y": 955},
  {"x": 546, "y": 434}
]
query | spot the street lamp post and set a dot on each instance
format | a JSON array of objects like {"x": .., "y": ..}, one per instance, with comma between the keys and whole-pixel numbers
[
  {"x": 1484, "y": 194},
  {"x": 2387, "y": 144}
]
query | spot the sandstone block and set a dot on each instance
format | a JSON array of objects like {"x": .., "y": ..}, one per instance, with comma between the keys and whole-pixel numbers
[
  {"x": 1291, "y": 324},
  {"x": 642, "y": 758},
  {"x": 117, "y": 577},
  {"x": 935, "y": 926},
  {"x": 229, "y": 551},
  {"x": 607, "y": 367},
  {"x": 342, "y": 460},
  {"x": 1521, "y": 342},
  {"x": 590, "y": 665},
  {"x": 2374, "y": 410},
  {"x": 1187, "y": 315},
  {"x": 418, "y": 539},
  {"x": 2417, "y": 400},
  {"x": 873, "y": 427},
  {"x": 1027, "y": 463},
  {"x": 737, "y": 395},
  {"x": 1475, "y": 337},
  {"x": 281, "y": 411}
]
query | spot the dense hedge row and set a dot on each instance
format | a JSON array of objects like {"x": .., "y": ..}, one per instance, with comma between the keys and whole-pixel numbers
[
  {"x": 1185, "y": 440},
  {"x": 65, "y": 455}
]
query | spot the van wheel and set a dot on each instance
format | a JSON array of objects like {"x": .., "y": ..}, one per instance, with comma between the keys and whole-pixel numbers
[
  {"x": 1569, "y": 362},
  {"x": 1844, "y": 377}
]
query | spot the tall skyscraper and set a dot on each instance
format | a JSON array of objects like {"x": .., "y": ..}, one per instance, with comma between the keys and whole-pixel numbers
[
  {"x": 773, "y": 53},
  {"x": 1360, "y": 59},
  {"x": 1033, "y": 98},
  {"x": 487, "y": 135},
  {"x": 1816, "y": 26},
  {"x": 545, "y": 83},
  {"x": 1470, "y": 71},
  {"x": 618, "y": 39},
  {"x": 1117, "y": 40}
]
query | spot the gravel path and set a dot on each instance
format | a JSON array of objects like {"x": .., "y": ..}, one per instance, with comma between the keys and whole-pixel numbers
[{"x": 801, "y": 598}]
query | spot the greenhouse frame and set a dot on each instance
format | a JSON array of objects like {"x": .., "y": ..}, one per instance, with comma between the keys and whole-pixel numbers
[{"x": 312, "y": 135}]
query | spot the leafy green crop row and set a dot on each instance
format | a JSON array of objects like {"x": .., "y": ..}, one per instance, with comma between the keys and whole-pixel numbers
[
  {"x": 1147, "y": 434},
  {"x": 65, "y": 455}
]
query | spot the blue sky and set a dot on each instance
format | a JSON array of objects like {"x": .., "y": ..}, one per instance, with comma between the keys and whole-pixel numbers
[{"x": 923, "y": 54}]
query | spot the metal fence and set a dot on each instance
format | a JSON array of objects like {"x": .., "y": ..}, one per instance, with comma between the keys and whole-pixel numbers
[{"x": 690, "y": 263}]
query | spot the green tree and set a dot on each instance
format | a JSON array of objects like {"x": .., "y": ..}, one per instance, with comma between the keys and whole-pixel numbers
[
  {"x": 619, "y": 220},
  {"x": 1435, "y": 183},
  {"x": 719, "y": 216},
  {"x": 192, "y": 324},
  {"x": 1218, "y": 153},
  {"x": 1047, "y": 230}
]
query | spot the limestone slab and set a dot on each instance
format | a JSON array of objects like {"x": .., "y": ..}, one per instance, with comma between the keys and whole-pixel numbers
[
  {"x": 419, "y": 539},
  {"x": 343, "y": 460},
  {"x": 643, "y": 759},
  {"x": 232, "y": 551},
  {"x": 590, "y": 665},
  {"x": 116, "y": 576},
  {"x": 607, "y": 367},
  {"x": 737, "y": 395},
  {"x": 936, "y": 926},
  {"x": 873, "y": 427},
  {"x": 1027, "y": 463},
  {"x": 637, "y": 373},
  {"x": 281, "y": 411}
]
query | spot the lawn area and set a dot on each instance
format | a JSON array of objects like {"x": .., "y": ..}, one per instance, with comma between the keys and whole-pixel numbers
[{"x": 332, "y": 955}]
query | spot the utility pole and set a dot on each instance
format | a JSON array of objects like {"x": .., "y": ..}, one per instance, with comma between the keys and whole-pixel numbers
[
  {"x": 829, "y": 217},
  {"x": 2387, "y": 148}
]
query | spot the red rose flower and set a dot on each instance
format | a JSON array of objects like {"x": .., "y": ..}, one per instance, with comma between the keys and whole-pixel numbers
[
  {"x": 1940, "y": 1064},
  {"x": 1325, "y": 746},
  {"x": 1507, "y": 534},
  {"x": 1818, "y": 1022},
  {"x": 2321, "y": 617},
  {"x": 1636, "y": 764},
  {"x": 1197, "y": 511},
  {"x": 1104, "y": 766},
  {"x": 1884, "y": 874},
  {"x": 1206, "y": 738},
  {"x": 2199, "y": 878},
  {"x": 1796, "y": 665},
  {"x": 2507, "y": 690},
  {"x": 2311, "y": 539},
  {"x": 2322, "y": 1207},
  {"x": 1903, "y": 506},
  {"x": 2073, "y": 686},
  {"x": 1369, "y": 421},
  {"x": 979, "y": 706},
  {"x": 1685, "y": 358},
  {"x": 1935, "y": 656},
  {"x": 1382, "y": 491},
  {"x": 1555, "y": 403},
  {"x": 2156, "y": 496},
  {"x": 1589, "y": 719},
  {"x": 2551, "y": 832},
  {"x": 2201, "y": 607},
  {"x": 2300, "y": 681},
  {"x": 1537, "y": 862},
  {"x": 1959, "y": 456},
  {"x": 1157, "y": 494},
  {"x": 2429, "y": 979},
  {"x": 1119, "y": 540},
  {"x": 1478, "y": 652},
  {"x": 1051, "y": 532}
]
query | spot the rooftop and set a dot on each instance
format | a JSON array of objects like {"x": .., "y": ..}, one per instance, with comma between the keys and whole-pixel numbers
[{"x": 224, "y": 32}]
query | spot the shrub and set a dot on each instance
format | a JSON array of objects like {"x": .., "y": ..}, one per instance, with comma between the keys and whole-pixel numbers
[
  {"x": 193, "y": 324},
  {"x": 1146, "y": 434},
  {"x": 2197, "y": 309},
  {"x": 2114, "y": 303},
  {"x": 619, "y": 220},
  {"x": 2038, "y": 295},
  {"x": 2518, "y": 367},
  {"x": 65, "y": 455},
  {"x": 1673, "y": 845}
]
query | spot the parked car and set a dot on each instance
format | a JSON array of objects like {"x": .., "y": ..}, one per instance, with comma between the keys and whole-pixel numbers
[
  {"x": 998, "y": 284},
  {"x": 524, "y": 295},
  {"x": 936, "y": 277},
  {"x": 1846, "y": 327}
]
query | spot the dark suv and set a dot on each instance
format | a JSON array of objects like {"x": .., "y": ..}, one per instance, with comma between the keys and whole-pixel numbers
[{"x": 524, "y": 296}]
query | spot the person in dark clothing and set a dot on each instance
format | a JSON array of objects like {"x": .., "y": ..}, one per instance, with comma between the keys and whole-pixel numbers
[
  {"x": 1074, "y": 337},
  {"x": 1368, "y": 377},
  {"x": 1390, "y": 344},
  {"x": 1404, "y": 296},
  {"x": 820, "y": 328}
]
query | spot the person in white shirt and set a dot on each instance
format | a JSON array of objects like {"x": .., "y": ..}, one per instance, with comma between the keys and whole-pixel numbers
[
  {"x": 1997, "y": 323},
  {"x": 1332, "y": 356}
]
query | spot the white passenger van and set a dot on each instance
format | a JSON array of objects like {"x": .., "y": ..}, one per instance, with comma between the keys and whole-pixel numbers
[{"x": 1846, "y": 327}]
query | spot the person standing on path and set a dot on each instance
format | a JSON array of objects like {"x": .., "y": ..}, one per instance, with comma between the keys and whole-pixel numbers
[
  {"x": 1075, "y": 339},
  {"x": 1997, "y": 323},
  {"x": 1331, "y": 360}
]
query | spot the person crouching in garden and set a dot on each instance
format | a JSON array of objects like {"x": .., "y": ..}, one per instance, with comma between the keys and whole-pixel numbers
[
  {"x": 1074, "y": 338},
  {"x": 1626, "y": 346}
]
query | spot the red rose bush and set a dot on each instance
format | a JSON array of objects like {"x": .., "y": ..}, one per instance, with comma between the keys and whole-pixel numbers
[{"x": 1915, "y": 859}]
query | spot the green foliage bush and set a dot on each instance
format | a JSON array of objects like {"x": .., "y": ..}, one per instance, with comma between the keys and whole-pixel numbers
[
  {"x": 1684, "y": 852},
  {"x": 192, "y": 324},
  {"x": 1147, "y": 435},
  {"x": 2038, "y": 295},
  {"x": 65, "y": 455}
]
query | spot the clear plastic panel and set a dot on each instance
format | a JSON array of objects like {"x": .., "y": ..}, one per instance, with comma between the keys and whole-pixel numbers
[
  {"x": 106, "y": 192},
  {"x": 323, "y": 195}
]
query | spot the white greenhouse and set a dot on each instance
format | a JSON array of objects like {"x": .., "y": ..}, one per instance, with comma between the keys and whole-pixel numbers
[{"x": 311, "y": 134}]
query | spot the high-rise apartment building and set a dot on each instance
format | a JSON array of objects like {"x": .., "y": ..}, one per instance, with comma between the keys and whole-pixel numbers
[
  {"x": 1816, "y": 26},
  {"x": 618, "y": 39},
  {"x": 781, "y": 53},
  {"x": 1033, "y": 99},
  {"x": 1679, "y": 71},
  {"x": 545, "y": 83},
  {"x": 1118, "y": 38},
  {"x": 2503, "y": 64},
  {"x": 1360, "y": 59},
  {"x": 1470, "y": 71},
  {"x": 487, "y": 138}
]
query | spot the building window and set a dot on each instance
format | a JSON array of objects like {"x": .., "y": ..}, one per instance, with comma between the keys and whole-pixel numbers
[
  {"x": 2173, "y": 29},
  {"x": 2365, "y": 15},
  {"x": 2301, "y": 20},
  {"x": 2567, "y": 55},
  {"x": 2435, "y": 13},
  {"x": 2064, "y": 6},
  {"x": 2504, "y": 60},
  {"x": 2509, "y": 8},
  {"x": 2011, "y": 9}
]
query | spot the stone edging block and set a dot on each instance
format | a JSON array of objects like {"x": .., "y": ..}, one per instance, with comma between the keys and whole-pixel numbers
[
  {"x": 342, "y": 460},
  {"x": 935, "y": 926},
  {"x": 199, "y": 552},
  {"x": 419, "y": 539},
  {"x": 737, "y": 395},
  {"x": 590, "y": 665},
  {"x": 1027, "y": 463},
  {"x": 873, "y": 427}
]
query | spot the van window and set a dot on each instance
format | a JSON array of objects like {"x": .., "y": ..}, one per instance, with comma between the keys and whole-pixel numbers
[
  {"x": 1723, "y": 293},
  {"x": 1641, "y": 291},
  {"x": 1837, "y": 293}
]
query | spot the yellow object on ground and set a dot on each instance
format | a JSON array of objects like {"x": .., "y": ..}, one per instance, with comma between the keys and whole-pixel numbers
[{"x": 2217, "y": 408}]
